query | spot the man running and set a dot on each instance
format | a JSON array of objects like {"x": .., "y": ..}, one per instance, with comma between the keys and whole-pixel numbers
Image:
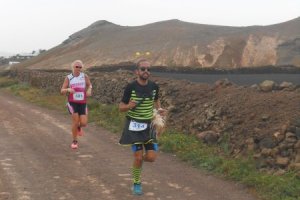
[
  {"x": 139, "y": 99},
  {"x": 78, "y": 87}
]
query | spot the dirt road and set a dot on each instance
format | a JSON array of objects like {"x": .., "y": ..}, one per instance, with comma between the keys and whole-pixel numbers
[{"x": 36, "y": 163}]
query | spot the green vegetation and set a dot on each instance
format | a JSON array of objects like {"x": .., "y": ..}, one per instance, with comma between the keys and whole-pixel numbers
[
  {"x": 206, "y": 157},
  {"x": 107, "y": 116},
  {"x": 38, "y": 96},
  {"x": 214, "y": 159},
  {"x": 5, "y": 82}
]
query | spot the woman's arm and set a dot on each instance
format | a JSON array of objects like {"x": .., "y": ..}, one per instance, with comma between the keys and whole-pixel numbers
[
  {"x": 88, "y": 86},
  {"x": 64, "y": 89}
]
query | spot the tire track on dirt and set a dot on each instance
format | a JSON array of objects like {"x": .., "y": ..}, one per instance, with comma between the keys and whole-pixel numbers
[{"x": 37, "y": 163}]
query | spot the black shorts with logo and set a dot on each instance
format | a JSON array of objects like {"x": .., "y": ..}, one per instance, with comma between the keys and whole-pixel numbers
[{"x": 80, "y": 108}]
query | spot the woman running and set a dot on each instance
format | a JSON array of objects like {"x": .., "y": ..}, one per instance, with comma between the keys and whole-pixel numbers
[{"x": 77, "y": 86}]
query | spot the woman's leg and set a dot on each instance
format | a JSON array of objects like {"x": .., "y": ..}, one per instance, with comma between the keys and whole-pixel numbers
[
  {"x": 83, "y": 120},
  {"x": 75, "y": 123}
]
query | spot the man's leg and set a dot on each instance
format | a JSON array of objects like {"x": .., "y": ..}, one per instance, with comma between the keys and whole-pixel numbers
[
  {"x": 137, "y": 168},
  {"x": 151, "y": 152}
]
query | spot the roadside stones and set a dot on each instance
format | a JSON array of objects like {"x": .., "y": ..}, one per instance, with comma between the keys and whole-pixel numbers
[
  {"x": 297, "y": 145},
  {"x": 282, "y": 161},
  {"x": 297, "y": 133},
  {"x": 267, "y": 142},
  {"x": 209, "y": 137},
  {"x": 265, "y": 117},
  {"x": 223, "y": 83},
  {"x": 267, "y": 86},
  {"x": 279, "y": 136},
  {"x": 250, "y": 144},
  {"x": 286, "y": 85}
]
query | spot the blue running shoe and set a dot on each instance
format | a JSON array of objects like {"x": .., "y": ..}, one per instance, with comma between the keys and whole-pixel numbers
[{"x": 137, "y": 189}]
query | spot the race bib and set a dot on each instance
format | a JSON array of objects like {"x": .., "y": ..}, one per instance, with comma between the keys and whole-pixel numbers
[
  {"x": 137, "y": 126},
  {"x": 78, "y": 96}
]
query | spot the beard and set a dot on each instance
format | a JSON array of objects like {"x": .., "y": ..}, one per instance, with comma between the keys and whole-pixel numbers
[{"x": 143, "y": 77}]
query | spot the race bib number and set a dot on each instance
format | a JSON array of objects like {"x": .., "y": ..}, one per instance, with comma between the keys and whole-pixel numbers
[
  {"x": 137, "y": 126},
  {"x": 78, "y": 96}
]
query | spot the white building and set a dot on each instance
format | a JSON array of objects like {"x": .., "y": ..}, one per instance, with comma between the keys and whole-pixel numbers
[{"x": 13, "y": 62}]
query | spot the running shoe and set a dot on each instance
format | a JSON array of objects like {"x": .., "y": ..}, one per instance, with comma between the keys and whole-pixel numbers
[
  {"x": 80, "y": 131},
  {"x": 137, "y": 189},
  {"x": 74, "y": 144}
]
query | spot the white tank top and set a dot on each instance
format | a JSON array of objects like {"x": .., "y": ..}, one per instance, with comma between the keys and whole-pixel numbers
[{"x": 79, "y": 85}]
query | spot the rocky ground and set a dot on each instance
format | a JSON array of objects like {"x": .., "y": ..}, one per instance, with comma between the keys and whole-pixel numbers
[{"x": 266, "y": 123}]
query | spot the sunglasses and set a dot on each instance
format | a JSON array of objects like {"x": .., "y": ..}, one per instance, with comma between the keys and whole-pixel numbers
[
  {"x": 78, "y": 67},
  {"x": 144, "y": 69}
]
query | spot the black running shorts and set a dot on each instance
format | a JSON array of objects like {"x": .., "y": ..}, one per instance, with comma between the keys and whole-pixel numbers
[{"x": 79, "y": 108}]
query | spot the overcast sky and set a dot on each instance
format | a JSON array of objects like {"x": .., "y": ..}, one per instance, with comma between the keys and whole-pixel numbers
[{"x": 28, "y": 25}]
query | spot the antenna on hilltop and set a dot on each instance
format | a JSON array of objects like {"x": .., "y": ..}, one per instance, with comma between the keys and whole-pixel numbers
[{"x": 142, "y": 54}]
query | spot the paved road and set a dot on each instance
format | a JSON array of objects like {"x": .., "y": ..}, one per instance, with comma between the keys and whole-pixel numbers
[
  {"x": 36, "y": 163},
  {"x": 239, "y": 79}
]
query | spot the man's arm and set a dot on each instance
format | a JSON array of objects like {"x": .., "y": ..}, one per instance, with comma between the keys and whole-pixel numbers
[
  {"x": 157, "y": 104},
  {"x": 126, "y": 103},
  {"x": 123, "y": 107},
  {"x": 158, "y": 107}
]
